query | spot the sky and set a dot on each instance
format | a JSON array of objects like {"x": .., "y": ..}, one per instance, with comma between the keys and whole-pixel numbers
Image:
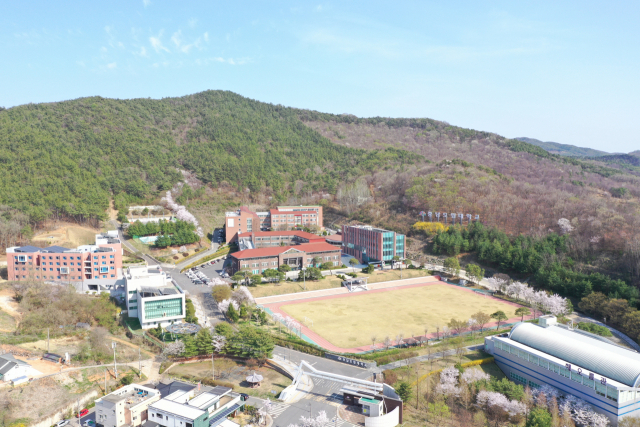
[{"x": 556, "y": 71}]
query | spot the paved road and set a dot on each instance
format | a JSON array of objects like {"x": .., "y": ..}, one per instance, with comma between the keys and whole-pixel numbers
[{"x": 321, "y": 363}]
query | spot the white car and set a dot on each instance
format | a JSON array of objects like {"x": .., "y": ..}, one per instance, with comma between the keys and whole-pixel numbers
[{"x": 62, "y": 423}]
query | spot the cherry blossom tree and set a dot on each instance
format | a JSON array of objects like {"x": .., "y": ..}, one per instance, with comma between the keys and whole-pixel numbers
[
  {"x": 243, "y": 295},
  {"x": 565, "y": 226},
  {"x": 224, "y": 305},
  {"x": 219, "y": 342},
  {"x": 488, "y": 399},
  {"x": 318, "y": 421},
  {"x": 473, "y": 375},
  {"x": 448, "y": 385},
  {"x": 175, "y": 348},
  {"x": 181, "y": 212}
]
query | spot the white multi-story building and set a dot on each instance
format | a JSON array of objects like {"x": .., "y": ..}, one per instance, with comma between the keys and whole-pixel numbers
[
  {"x": 126, "y": 406},
  {"x": 575, "y": 362},
  {"x": 153, "y": 297}
]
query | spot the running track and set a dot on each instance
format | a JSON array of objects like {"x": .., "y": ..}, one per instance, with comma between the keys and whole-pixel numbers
[{"x": 299, "y": 297}]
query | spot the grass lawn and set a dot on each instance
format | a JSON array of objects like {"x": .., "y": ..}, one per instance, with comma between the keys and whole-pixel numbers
[
  {"x": 352, "y": 321},
  {"x": 273, "y": 381},
  {"x": 330, "y": 282},
  {"x": 7, "y": 323}
]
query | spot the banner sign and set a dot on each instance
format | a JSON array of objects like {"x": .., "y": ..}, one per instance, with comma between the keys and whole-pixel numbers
[{"x": 353, "y": 362}]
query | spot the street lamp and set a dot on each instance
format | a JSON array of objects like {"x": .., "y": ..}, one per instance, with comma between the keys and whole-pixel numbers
[{"x": 304, "y": 278}]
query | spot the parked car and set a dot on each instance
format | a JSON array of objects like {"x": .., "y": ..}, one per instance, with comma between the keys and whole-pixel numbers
[
  {"x": 82, "y": 413},
  {"x": 89, "y": 423},
  {"x": 244, "y": 397},
  {"x": 62, "y": 423}
]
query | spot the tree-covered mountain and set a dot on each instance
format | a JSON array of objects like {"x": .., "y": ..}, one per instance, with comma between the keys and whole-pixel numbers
[
  {"x": 66, "y": 159},
  {"x": 563, "y": 149}
]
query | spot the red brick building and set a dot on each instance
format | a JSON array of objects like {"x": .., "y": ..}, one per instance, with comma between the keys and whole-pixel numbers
[
  {"x": 282, "y": 218},
  {"x": 98, "y": 263},
  {"x": 298, "y": 256}
]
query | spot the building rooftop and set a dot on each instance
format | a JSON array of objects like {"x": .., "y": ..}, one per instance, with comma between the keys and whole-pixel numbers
[
  {"x": 298, "y": 233},
  {"x": 614, "y": 362},
  {"x": 290, "y": 212},
  {"x": 133, "y": 395},
  {"x": 176, "y": 408},
  {"x": 369, "y": 227},
  {"x": 277, "y": 250}
]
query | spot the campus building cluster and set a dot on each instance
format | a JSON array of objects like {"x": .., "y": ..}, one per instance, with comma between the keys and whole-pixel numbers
[
  {"x": 153, "y": 298},
  {"x": 372, "y": 245},
  {"x": 245, "y": 220},
  {"x": 98, "y": 263},
  {"x": 575, "y": 362},
  {"x": 177, "y": 404}
]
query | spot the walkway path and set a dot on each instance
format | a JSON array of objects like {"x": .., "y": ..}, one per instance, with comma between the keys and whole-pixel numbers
[{"x": 275, "y": 307}]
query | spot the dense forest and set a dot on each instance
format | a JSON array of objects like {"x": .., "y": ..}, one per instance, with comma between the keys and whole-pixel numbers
[{"x": 66, "y": 159}]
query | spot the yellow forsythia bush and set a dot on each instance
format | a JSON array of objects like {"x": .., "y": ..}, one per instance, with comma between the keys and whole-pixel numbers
[{"x": 430, "y": 227}]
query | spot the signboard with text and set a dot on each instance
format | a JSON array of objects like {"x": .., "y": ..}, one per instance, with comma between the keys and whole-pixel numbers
[{"x": 349, "y": 361}]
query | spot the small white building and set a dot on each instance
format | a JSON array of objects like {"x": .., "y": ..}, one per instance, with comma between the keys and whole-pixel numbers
[
  {"x": 12, "y": 368},
  {"x": 126, "y": 406},
  {"x": 153, "y": 297}
]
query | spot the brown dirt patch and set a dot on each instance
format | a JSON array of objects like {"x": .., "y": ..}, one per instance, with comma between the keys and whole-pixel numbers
[
  {"x": 68, "y": 235},
  {"x": 9, "y": 306}
]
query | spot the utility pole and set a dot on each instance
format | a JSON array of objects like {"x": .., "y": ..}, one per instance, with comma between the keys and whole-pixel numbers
[
  {"x": 105, "y": 382},
  {"x": 304, "y": 278},
  {"x": 139, "y": 362},
  {"x": 79, "y": 417},
  {"x": 48, "y": 340},
  {"x": 213, "y": 371},
  {"x": 115, "y": 366}
]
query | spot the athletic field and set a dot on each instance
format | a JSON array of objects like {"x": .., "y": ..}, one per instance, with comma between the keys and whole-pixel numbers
[{"x": 350, "y": 320}]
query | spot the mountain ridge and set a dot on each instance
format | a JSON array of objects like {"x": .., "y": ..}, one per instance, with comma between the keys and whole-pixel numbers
[{"x": 564, "y": 149}]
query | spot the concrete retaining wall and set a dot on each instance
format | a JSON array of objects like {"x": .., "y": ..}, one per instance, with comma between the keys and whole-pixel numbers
[{"x": 52, "y": 419}]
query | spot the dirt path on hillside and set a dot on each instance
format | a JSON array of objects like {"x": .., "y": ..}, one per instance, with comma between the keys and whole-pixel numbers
[
  {"x": 68, "y": 234},
  {"x": 9, "y": 306}
]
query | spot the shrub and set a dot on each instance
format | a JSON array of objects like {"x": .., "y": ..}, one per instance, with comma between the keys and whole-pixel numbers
[
  {"x": 390, "y": 377},
  {"x": 185, "y": 254}
]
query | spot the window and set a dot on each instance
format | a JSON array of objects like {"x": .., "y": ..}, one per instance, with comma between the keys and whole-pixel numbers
[
  {"x": 612, "y": 393},
  {"x": 575, "y": 376},
  {"x": 534, "y": 385},
  {"x": 601, "y": 389},
  {"x": 518, "y": 378}
]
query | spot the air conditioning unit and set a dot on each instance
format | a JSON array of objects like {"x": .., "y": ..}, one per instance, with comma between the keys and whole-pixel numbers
[
  {"x": 22, "y": 258},
  {"x": 64, "y": 270}
]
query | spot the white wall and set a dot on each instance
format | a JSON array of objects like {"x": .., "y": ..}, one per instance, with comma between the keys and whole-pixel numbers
[{"x": 391, "y": 419}]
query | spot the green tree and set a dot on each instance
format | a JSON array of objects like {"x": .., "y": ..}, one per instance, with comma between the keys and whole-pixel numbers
[
  {"x": 508, "y": 388},
  {"x": 500, "y": 317},
  {"x": 224, "y": 329},
  {"x": 190, "y": 313},
  {"x": 439, "y": 410},
  {"x": 203, "y": 341},
  {"x": 404, "y": 391},
  {"x": 522, "y": 311},
  {"x": 475, "y": 273},
  {"x": 190, "y": 347},
  {"x": 353, "y": 262},
  {"x": 539, "y": 417},
  {"x": 256, "y": 279},
  {"x": 284, "y": 268},
  {"x": 251, "y": 342},
  {"x": 232, "y": 314},
  {"x": 221, "y": 292},
  {"x": 452, "y": 266}
]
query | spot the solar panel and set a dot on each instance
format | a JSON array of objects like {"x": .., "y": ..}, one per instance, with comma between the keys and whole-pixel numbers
[{"x": 219, "y": 418}]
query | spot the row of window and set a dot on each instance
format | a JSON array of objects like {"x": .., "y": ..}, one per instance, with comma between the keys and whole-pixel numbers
[
  {"x": 600, "y": 387},
  {"x": 259, "y": 271},
  {"x": 71, "y": 277},
  {"x": 64, "y": 257}
]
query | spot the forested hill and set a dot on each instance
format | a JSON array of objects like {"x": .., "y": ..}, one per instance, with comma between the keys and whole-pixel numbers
[
  {"x": 67, "y": 159},
  {"x": 564, "y": 149}
]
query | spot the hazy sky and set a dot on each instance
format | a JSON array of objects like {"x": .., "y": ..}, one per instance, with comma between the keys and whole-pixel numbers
[{"x": 557, "y": 71}]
